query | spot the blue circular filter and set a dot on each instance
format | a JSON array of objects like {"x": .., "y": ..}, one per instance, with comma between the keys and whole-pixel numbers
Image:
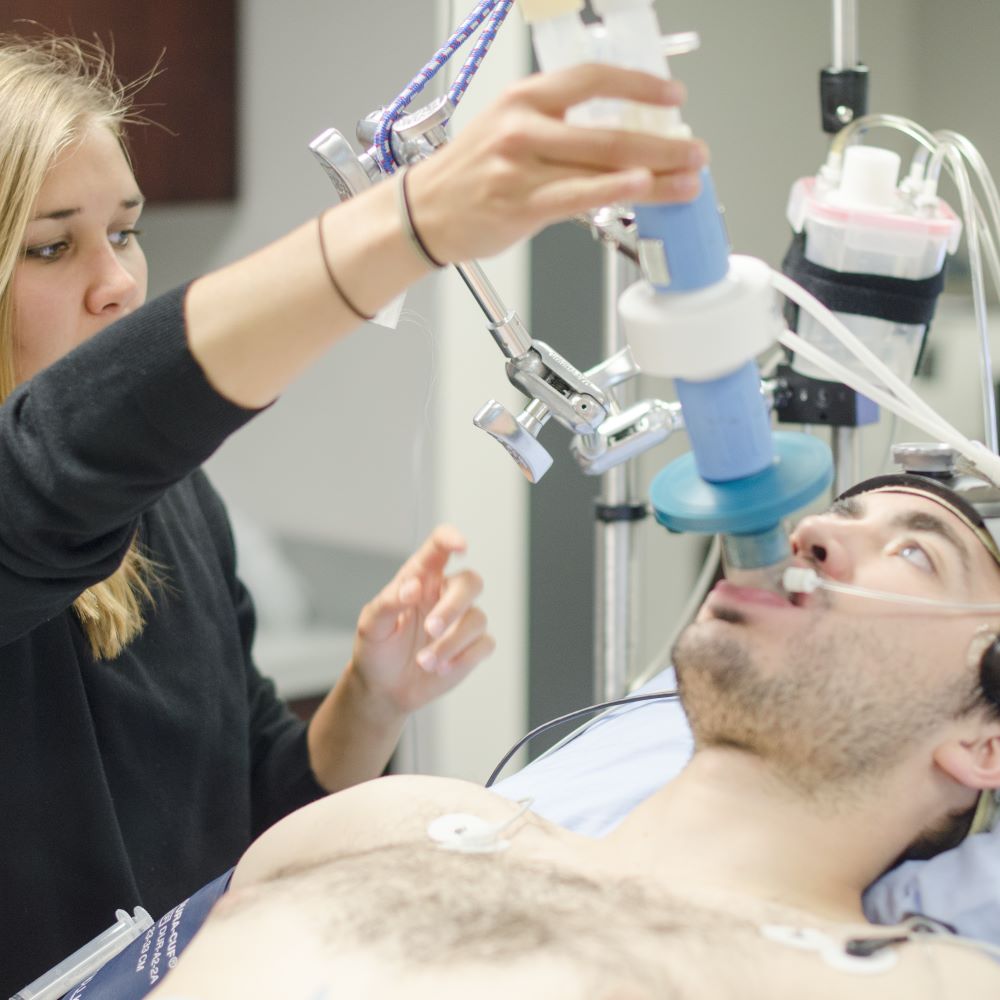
[{"x": 684, "y": 502}]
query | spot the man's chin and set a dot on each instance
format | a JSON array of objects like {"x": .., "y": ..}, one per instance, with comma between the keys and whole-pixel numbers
[{"x": 708, "y": 654}]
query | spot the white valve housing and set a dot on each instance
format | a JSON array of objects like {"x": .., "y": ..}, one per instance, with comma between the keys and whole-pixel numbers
[{"x": 706, "y": 334}]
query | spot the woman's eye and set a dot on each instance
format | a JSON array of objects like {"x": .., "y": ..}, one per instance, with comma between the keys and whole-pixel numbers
[
  {"x": 123, "y": 237},
  {"x": 47, "y": 251},
  {"x": 915, "y": 554}
]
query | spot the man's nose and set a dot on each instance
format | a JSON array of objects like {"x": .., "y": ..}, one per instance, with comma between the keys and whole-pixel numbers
[
  {"x": 112, "y": 286},
  {"x": 829, "y": 544}
]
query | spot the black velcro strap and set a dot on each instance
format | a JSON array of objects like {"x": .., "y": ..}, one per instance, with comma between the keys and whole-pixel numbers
[{"x": 897, "y": 300}]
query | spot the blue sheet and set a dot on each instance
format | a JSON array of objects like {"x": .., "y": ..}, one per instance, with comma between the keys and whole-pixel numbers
[{"x": 591, "y": 782}]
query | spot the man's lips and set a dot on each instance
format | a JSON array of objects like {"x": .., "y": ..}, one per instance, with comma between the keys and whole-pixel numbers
[{"x": 750, "y": 595}]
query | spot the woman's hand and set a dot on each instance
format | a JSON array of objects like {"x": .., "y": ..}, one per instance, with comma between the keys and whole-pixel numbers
[
  {"x": 517, "y": 166},
  {"x": 417, "y": 638},
  {"x": 422, "y": 633}
]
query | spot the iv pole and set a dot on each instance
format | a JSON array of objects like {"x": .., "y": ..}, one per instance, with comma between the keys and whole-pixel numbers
[
  {"x": 844, "y": 443},
  {"x": 618, "y": 514}
]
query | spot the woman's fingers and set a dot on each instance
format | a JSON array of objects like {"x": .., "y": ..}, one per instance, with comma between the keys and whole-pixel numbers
[
  {"x": 458, "y": 594},
  {"x": 572, "y": 195},
  {"x": 442, "y": 655},
  {"x": 613, "y": 149},
  {"x": 433, "y": 555},
  {"x": 520, "y": 166},
  {"x": 555, "y": 92}
]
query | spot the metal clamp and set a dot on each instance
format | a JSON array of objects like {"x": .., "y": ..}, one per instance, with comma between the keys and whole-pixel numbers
[
  {"x": 414, "y": 136},
  {"x": 518, "y": 435},
  {"x": 626, "y": 435},
  {"x": 620, "y": 367},
  {"x": 573, "y": 399},
  {"x": 351, "y": 174},
  {"x": 614, "y": 225}
]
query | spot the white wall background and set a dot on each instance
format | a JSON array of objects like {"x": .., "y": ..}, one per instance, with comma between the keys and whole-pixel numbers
[{"x": 376, "y": 444}]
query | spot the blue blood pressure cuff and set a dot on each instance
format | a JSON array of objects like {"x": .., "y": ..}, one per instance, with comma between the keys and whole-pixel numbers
[{"x": 134, "y": 972}]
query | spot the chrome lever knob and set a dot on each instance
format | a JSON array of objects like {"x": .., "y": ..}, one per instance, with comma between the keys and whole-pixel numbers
[
  {"x": 620, "y": 367},
  {"x": 521, "y": 444},
  {"x": 351, "y": 174}
]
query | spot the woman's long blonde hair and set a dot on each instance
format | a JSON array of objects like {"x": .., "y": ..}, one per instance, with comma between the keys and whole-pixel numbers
[{"x": 52, "y": 91}]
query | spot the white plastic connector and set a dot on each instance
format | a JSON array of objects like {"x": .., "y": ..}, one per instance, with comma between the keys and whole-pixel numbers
[
  {"x": 738, "y": 316},
  {"x": 868, "y": 178},
  {"x": 800, "y": 580}
]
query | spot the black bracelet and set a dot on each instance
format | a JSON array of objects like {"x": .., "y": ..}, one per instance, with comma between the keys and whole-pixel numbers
[
  {"x": 333, "y": 281},
  {"x": 411, "y": 230}
]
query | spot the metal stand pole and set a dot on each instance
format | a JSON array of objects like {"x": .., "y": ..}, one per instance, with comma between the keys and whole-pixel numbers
[
  {"x": 844, "y": 440},
  {"x": 845, "y": 34},
  {"x": 615, "y": 617}
]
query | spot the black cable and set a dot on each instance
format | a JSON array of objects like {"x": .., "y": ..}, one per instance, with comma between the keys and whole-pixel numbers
[{"x": 579, "y": 713}]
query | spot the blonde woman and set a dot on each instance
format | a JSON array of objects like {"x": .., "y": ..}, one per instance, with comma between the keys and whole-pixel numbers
[{"x": 140, "y": 750}]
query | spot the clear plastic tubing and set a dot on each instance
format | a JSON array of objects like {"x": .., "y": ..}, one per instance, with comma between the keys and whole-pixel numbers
[{"x": 804, "y": 580}]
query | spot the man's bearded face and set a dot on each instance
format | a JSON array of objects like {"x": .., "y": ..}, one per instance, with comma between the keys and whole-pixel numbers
[{"x": 838, "y": 690}]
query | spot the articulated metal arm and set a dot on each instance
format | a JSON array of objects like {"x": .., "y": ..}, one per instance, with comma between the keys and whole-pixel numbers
[{"x": 604, "y": 435}]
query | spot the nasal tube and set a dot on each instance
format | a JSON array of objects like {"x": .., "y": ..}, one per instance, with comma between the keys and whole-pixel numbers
[{"x": 805, "y": 580}]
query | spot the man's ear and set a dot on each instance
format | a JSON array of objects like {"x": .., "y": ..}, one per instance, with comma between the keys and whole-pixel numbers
[{"x": 972, "y": 757}]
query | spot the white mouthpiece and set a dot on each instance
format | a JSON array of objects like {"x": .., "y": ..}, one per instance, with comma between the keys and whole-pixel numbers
[{"x": 800, "y": 580}]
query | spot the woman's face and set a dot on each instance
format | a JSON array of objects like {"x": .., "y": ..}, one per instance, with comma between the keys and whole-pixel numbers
[{"x": 81, "y": 266}]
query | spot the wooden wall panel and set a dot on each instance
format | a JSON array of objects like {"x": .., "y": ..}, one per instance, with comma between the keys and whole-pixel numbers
[{"x": 194, "y": 95}]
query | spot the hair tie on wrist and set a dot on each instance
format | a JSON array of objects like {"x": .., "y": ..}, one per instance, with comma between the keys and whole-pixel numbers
[
  {"x": 411, "y": 231},
  {"x": 333, "y": 281}
]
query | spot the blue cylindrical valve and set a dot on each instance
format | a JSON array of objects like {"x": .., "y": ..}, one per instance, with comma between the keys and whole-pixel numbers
[{"x": 693, "y": 237}]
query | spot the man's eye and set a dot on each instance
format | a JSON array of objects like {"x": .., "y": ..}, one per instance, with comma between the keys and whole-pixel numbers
[
  {"x": 123, "y": 237},
  {"x": 47, "y": 251},
  {"x": 915, "y": 554}
]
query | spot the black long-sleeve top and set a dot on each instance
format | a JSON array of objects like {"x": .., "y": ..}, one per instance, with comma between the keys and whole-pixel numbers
[{"x": 137, "y": 780}]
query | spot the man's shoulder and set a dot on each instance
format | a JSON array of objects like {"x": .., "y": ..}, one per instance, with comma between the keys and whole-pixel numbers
[
  {"x": 415, "y": 796},
  {"x": 391, "y": 810}
]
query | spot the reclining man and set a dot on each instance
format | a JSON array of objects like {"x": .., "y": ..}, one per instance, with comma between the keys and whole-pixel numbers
[{"x": 832, "y": 734}]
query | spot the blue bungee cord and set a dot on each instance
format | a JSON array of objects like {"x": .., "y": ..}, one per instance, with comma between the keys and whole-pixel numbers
[{"x": 496, "y": 11}]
